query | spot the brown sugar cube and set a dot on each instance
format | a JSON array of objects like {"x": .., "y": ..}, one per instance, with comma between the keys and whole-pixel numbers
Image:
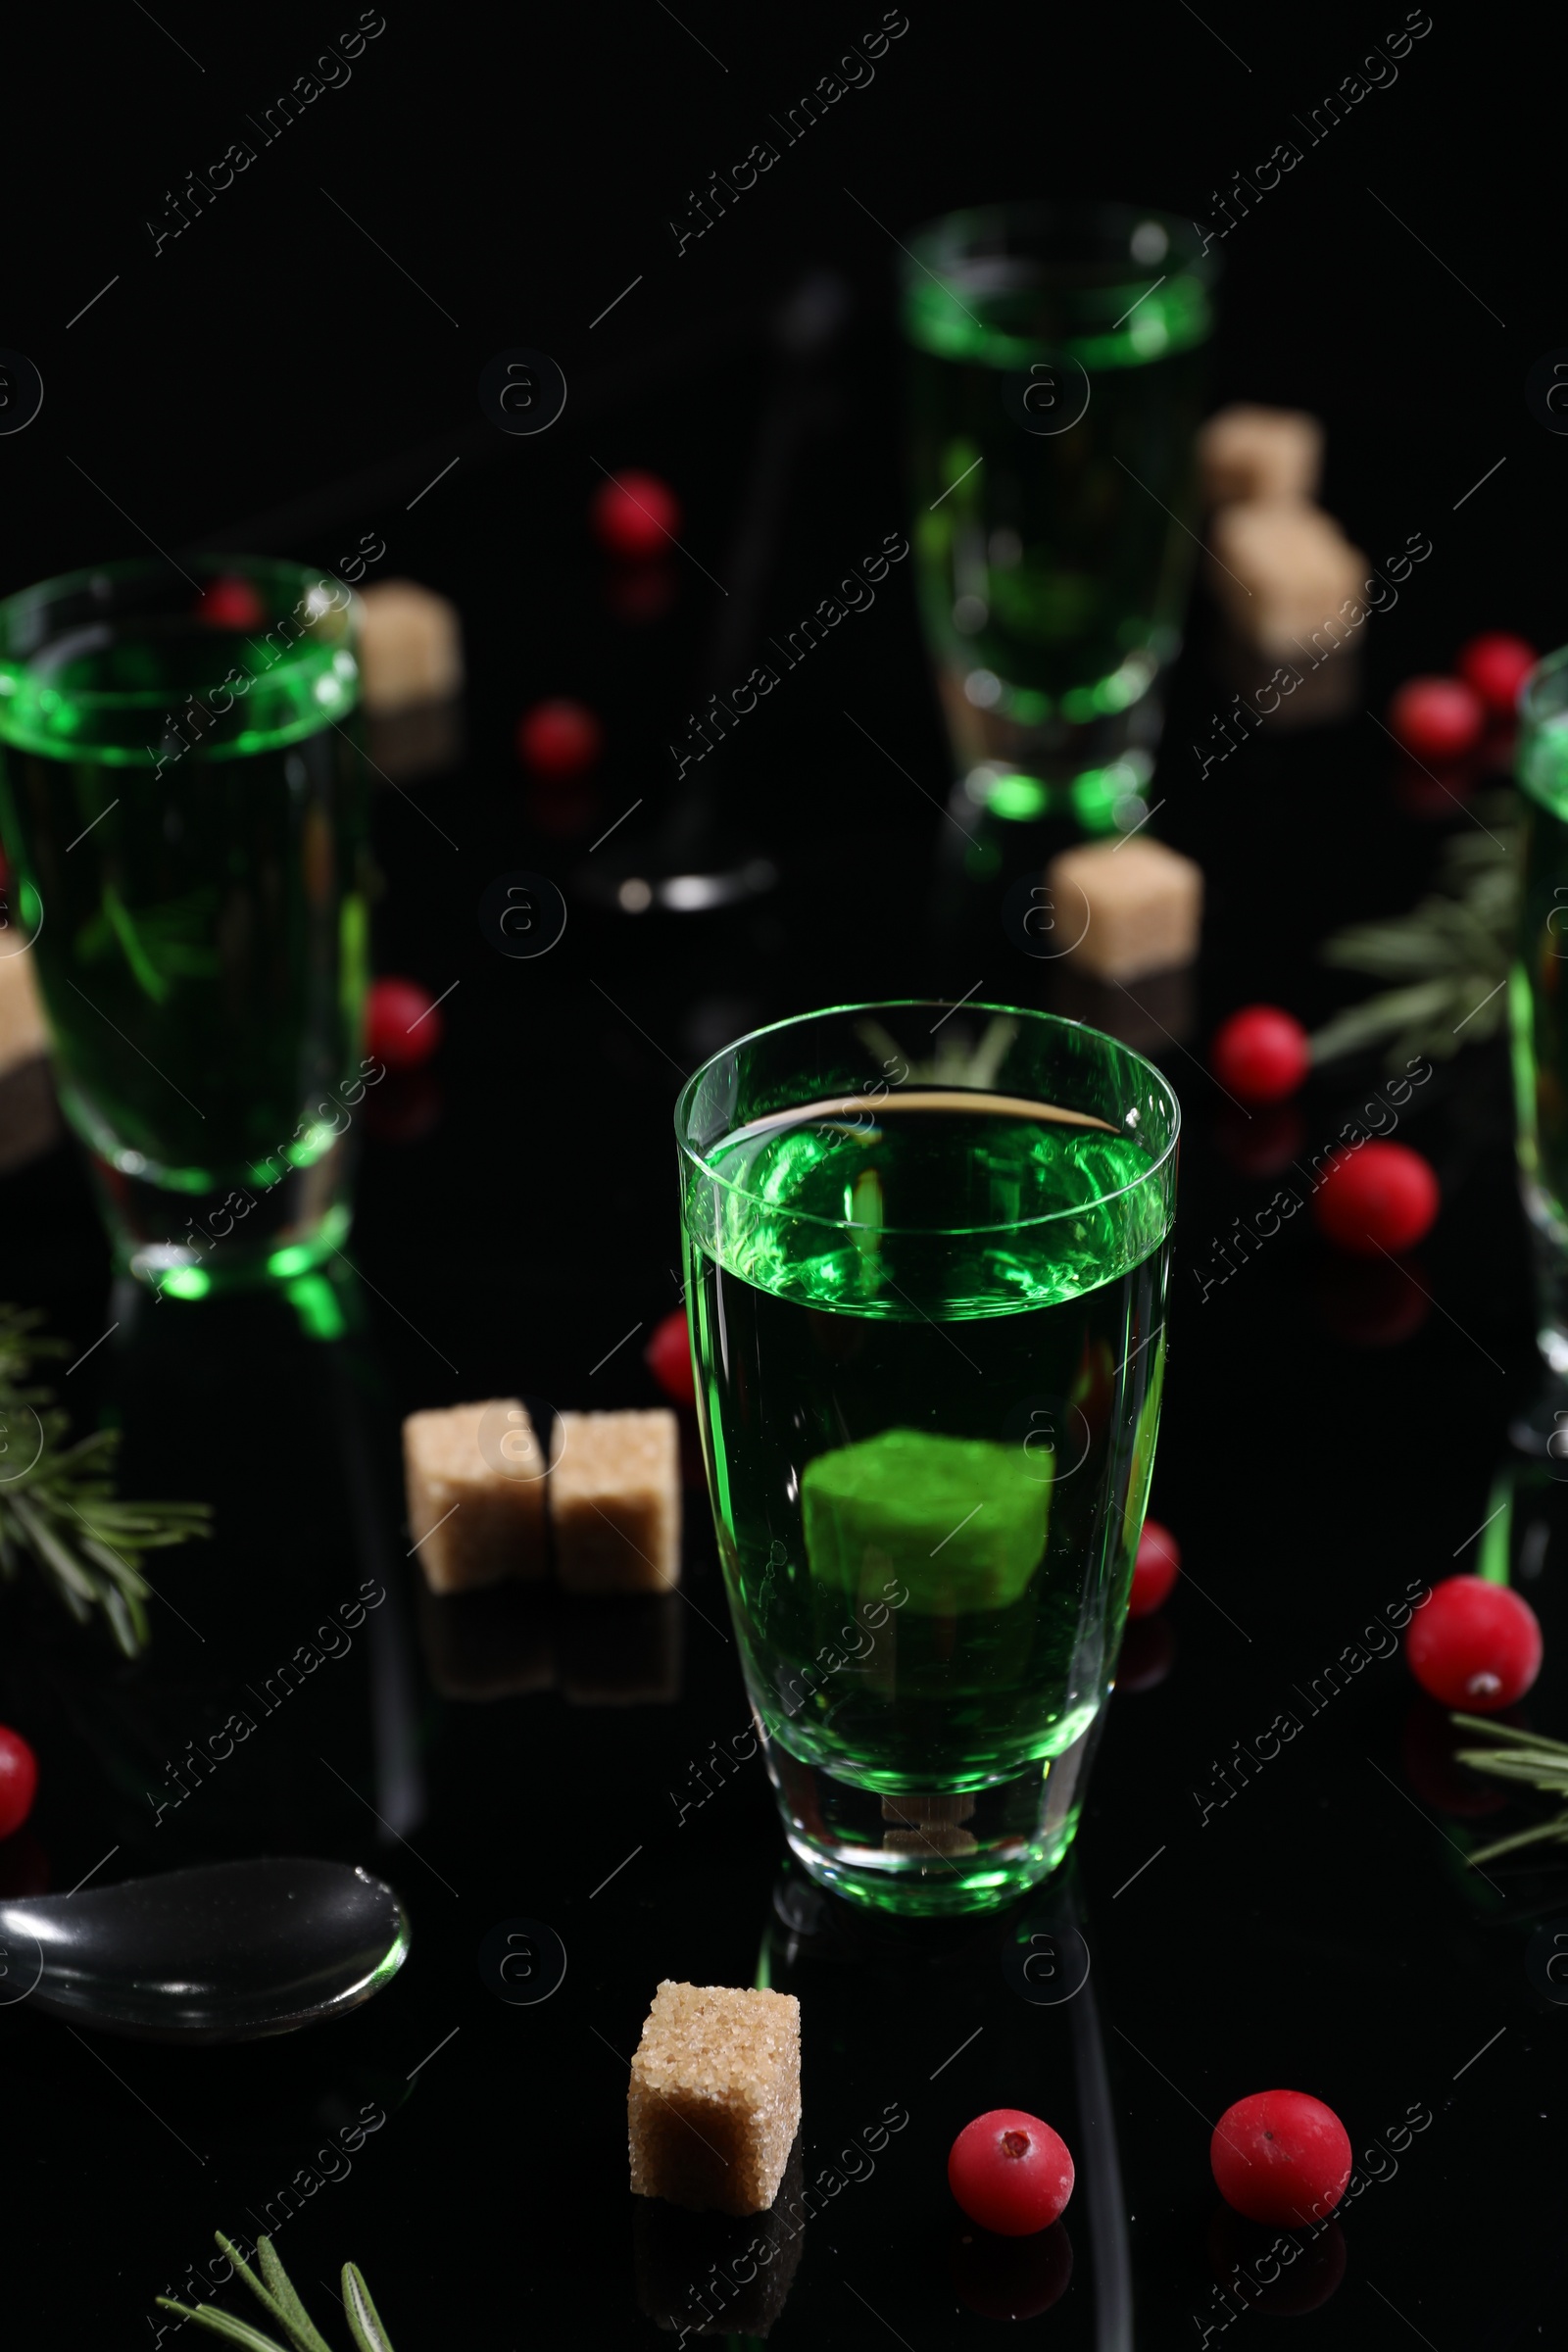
[
  {"x": 1287, "y": 576},
  {"x": 410, "y": 646},
  {"x": 22, "y": 1035},
  {"x": 1129, "y": 907},
  {"x": 1252, "y": 451},
  {"x": 475, "y": 1480},
  {"x": 715, "y": 2101},
  {"x": 614, "y": 1502}
]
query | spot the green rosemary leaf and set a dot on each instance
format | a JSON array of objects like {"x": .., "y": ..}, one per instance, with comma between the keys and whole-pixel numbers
[
  {"x": 1538, "y": 1772},
  {"x": 244, "y": 2270},
  {"x": 43, "y": 1540},
  {"x": 220, "y": 2323},
  {"x": 1380, "y": 1017},
  {"x": 297, "y": 2322},
  {"x": 1545, "y": 1833},
  {"x": 123, "y": 1621},
  {"x": 70, "y": 1481},
  {"x": 1507, "y": 1731},
  {"x": 1458, "y": 941},
  {"x": 124, "y": 1574},
  {"x": 364, "y": 2322}
]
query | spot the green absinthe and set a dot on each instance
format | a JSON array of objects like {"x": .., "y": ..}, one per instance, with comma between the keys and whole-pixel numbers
[
  {"x": 1047, "y": 557},
  {"x": 189, "y": 855},
  {"x": 929, "y": 1344}
]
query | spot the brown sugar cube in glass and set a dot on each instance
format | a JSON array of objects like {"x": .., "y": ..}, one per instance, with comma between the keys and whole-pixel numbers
[
  {"x": 475, "y": 1483},
  {"x": 1123, "y": 909},
  {"x": 411, "y": 647},
  {"x": 939, "y": 1841},
  {"x": 1289, "y": 580},
  {"x": 925, "y": 1810},
  {"x": 614, "y": 1502},
  {"x": 715, "y": 2100},
  {"x": 1252, "y": 451}
]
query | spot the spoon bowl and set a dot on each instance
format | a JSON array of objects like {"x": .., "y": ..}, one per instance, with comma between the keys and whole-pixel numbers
[{"x": 231, "y": 1951}]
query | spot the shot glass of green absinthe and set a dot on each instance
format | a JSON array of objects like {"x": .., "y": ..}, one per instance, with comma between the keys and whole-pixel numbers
[
  {"x": 1055, "y": 379},
  {"x": 182, "y": 801},
  {"x": 927, "y": 1306}
]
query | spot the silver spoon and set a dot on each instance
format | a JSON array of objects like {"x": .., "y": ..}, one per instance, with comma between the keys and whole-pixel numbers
[{"x": 228, "y": 1952}]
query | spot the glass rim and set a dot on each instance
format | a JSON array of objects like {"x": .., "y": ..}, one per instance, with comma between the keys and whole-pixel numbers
[
  {"x": 693, "y": 1159},
  {"x": 126, "y": 568},
  {"x": 1190, "y": 257},
  {"x": 1550, "y": 670}
]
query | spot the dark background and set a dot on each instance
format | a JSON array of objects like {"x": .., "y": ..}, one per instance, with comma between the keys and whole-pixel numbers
[{"x": 272, "y": 381}]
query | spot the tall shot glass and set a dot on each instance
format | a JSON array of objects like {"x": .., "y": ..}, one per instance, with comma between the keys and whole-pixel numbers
[
  {"x": 927, "y": 1311},
  {"x": 182, "y": 798},
  {"x": 1055, "y": 376}
]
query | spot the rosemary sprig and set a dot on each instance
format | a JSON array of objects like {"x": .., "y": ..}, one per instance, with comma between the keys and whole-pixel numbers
[
  {"x": 1447, "y": 956},
  {"x": 955, "y": 1062},
  {"x": 275, "y": 2291},
  {"x": 1527, "y": 1756},
  {"x": 60, "y": 1509}
]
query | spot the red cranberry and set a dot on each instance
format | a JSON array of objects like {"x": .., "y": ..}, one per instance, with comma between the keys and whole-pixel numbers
[
  {"x": 19, "y": 1781},
  {"x": 669, "y": 1357},
  {"x": 1010, "y": 2172},
  {"x": 1159, "y": 1560},
  {"x": 1436, "y": 718},
  {"x": 559, "y": 740},
  {"x": 1260, "y": 1055},
  {"x": 230, "y": 603},
  {"x": 1377, "y": 1197},
  {"x": 635, "y": 516},
  {"x": 1281, "y": 2157},
  {"x": 1494, "y": 665},
  {"x": 402, "y": 1026},
  {"x": 1474, "y": 1646}
]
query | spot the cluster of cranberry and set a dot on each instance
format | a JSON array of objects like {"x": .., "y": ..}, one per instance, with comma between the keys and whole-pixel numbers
[
  {"x": 1278, "y": 2157},
  {"x": 1445, "y": 719}
]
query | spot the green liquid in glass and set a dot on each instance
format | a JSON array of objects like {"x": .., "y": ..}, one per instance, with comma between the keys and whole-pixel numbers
[
  {"x": 1053, "y": 561},
  {"x": 199, "y": 882},
  {"x": 929, "y": 1447}
]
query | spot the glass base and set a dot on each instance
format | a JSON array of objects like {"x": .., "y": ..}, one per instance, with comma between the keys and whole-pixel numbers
[
  {"x": 930, "y": 1852},
  {"x": 190, "y": 1242},
  {"x": 1094, "y": 772}
]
